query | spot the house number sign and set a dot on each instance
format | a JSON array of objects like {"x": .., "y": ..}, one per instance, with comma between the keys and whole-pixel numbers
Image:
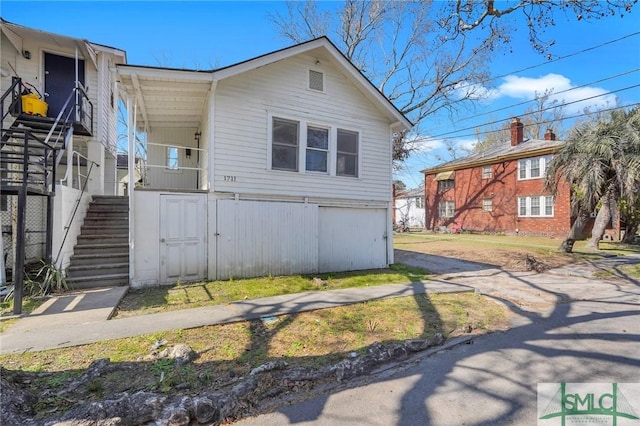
[{"x": 230, "y": 178}]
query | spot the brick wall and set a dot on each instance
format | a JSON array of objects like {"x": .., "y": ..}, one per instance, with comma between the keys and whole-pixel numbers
[{"x": 503, "y": 188}]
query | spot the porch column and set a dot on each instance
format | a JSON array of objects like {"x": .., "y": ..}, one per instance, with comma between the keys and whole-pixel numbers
[
  {"x": 110, "y": 175},
  {"x": 95, "y": 153},
  {"x": 131, "y": 139}
]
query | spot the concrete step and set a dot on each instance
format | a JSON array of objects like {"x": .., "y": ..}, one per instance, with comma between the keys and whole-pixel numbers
[
  {"x": 110, "y": 198},
  {"x": 98, "y": 281},
  {"x": 110, "y": 212},
  {"x": 108, "y": 203},
  {"x": 82, "y": 249},
  {"x": 102, "y": 239},
  {"x": 104, "y": 228},
  {"x": 99, "y": 258},
  {"x": 82, "y": 271},
  {"x": 95, "y": 221}
]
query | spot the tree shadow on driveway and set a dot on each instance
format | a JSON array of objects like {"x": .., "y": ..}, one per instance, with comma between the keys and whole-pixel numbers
[{"x": 588, "y": 332}]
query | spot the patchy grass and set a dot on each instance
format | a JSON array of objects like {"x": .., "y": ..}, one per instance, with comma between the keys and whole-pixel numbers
[
  {"x": 228, "y": 351},
  {"x": 169, "y": 298},
  {"x": 29, "y": 304},
  {"x": 508, "y": 252},
  {"x": 624, "y": 271}
]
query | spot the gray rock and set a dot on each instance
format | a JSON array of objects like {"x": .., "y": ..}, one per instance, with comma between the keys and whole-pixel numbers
[{"x": 271, "y": 365}]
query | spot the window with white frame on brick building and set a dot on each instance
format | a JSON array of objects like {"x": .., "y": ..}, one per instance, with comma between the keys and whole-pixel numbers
[
  {"x": 446, "y": 209},
  {"x": 536, "y": 206}
]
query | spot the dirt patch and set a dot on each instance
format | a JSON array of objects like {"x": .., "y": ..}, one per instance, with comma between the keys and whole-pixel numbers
[{"x": 499, "y": 252}]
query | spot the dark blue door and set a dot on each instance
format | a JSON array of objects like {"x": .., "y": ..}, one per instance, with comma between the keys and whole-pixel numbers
[{"x": 59, "y": 80}]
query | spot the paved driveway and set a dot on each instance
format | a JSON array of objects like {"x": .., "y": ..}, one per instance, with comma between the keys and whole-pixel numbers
[{"x": 566, "y": 327}]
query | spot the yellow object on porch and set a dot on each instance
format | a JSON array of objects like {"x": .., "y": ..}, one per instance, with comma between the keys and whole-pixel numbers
[{"x": 33, "y": 105}]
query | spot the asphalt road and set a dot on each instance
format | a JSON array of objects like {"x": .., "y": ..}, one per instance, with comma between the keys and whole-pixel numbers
[{"x": 566, "y": 327}]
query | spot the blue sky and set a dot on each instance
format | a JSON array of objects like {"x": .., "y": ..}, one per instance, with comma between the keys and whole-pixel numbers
[{"x": 213, "y": 34}]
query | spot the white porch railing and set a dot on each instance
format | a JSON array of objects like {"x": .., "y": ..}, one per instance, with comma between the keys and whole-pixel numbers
[
  {"x": 75, "y": 168},
  {"x": 171, "y": 166}
]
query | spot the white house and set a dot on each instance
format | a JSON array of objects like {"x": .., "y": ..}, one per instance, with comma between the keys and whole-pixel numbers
[
  {"x": 277, "y": 165},
  {"x": 409, "y": 208}
]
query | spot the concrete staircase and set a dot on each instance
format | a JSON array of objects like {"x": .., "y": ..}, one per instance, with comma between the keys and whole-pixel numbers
[{"x": 101, "y": 255}]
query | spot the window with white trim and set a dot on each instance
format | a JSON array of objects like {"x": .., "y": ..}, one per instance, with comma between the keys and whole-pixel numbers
[
  {"x": 347, "y": 153},
  {"x": 536, "y": 206},
  {"x": 284, "y": 144},
  {"x": 446, "y": 208},
  {"x": 443, "y": 185},
  {"x": 317, "y": 149},
  {"x": 487, "y": 204},
  {"x": 533, "y": 168},
  {"x": 173, "y": 158},
  {"x": 487, "y": 172},
  {"x": 299, "y": 146},
  {"x": 420, "y": 202}
]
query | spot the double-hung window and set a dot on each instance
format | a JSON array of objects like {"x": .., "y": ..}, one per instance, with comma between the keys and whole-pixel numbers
[
  {"x": 347, "y": 153},
  {"x": 317, "y": 149},
  {"x": 173, "y": 158},
  {"x": 533, "y": 168},
  {"x": 446, "y": 208},
  {"x": 536, "y": 206},
  {"x": 487, "y": 173},
  {"x": 299, "y": 146},
  {"x": 443, "y": 185},
  {"x": 284, "y": 145}
]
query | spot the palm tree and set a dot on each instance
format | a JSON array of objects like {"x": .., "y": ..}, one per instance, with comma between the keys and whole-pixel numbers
[{"x": 601, "y": 161}]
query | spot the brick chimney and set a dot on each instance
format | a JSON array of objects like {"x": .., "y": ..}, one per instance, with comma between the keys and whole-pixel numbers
[
  {"x": 517, "y": 131},
  {"x": 549, "y": 135}
]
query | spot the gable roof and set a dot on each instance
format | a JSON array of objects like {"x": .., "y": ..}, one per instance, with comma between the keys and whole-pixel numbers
[
  {"x": 498, "y": 152},
  {"x": 322, "y": 47},
  {"x": 410, "y": 193},
  {"x": 368, "y": 88}
]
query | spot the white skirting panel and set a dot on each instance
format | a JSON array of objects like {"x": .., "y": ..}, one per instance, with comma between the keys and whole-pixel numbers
[
  {"x": 256, "y": 238},
  {"x": 352, "y": 239}
]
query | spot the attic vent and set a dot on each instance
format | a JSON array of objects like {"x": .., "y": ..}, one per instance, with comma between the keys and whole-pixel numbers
[{"x": 316, "y": 80}]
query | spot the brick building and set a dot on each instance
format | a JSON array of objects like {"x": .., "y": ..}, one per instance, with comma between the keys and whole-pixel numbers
[{"x": 499, "y": 189}]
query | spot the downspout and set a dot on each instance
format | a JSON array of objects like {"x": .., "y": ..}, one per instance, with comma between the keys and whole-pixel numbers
[{"x": 390, "y": 206}]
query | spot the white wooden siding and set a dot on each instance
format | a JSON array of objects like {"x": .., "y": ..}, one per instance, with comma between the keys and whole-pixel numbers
[
  {"x": 265, "y": 238},
  {"x": 162, "y": 178},
  {"x": 242, "y": 106},
  {"x": 146, "y": 239},
  {"x": 352, "y": 239},
  {"x": 31, "y": 70},
  {"x": 64, "y": 204},
  {"x": 106, "y": 132},
  {"x": 9, "y": 56}
]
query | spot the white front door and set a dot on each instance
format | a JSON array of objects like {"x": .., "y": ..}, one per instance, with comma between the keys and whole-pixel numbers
[{"x": 182, "y": 238}]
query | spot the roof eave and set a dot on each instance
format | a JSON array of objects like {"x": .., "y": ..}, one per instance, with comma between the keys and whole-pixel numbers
[{"x": 492, "y": 160}]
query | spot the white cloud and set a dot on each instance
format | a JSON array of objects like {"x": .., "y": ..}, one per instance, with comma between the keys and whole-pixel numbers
[
  {"x": 465, "y": 145},
  {"x": 526, "y": 88}
]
